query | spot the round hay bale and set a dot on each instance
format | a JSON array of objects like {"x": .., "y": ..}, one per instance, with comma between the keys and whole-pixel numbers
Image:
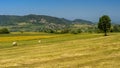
[
  {"x": 39, "y": 41},
  {"x": 14, "y": 43}
]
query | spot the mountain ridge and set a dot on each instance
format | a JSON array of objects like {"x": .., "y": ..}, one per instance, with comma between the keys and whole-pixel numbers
[{"x": 37, "y": 19}]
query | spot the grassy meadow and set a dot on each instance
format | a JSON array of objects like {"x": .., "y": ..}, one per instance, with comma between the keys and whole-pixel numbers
[{"x": 60, "y": 50}]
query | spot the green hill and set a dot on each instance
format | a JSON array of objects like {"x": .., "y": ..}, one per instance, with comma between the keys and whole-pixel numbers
[
  {"x": 31, "y": 19},
  {"x": 36, "y": 19},
  {"x": 37, "y": 22},
  {"x": 81, "y": 21}
]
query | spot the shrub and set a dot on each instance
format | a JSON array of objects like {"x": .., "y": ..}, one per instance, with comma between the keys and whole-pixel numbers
[
  {"x": 116, "y": 28},
  {"x": 75, "y": 31},
  {"x": 4, "y": 31},
  {"x": 64, "y": 31},
  {"x": 49, "y": 31}
]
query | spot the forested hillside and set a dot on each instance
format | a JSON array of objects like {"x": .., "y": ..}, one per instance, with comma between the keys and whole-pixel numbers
[{"x": 38, "y": 23}]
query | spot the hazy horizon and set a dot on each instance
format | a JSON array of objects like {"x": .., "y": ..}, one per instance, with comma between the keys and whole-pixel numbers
[{"x": 70, "y": 9}]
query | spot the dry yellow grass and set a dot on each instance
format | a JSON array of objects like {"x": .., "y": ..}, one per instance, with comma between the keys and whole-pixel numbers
[
  {"x": 19, "y": 38},
  {"x": 96, "y": 52}
]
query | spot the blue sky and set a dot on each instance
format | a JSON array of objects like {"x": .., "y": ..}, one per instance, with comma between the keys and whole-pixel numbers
[{"x": 70, "y": 9}]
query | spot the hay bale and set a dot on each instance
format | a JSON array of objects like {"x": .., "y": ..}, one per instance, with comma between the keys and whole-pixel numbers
[
  {"x": 39, "y": 41},
  {"x": 14, "y": 43}
]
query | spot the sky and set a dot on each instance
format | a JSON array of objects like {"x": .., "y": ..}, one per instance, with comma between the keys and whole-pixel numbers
[{"x": 70, "y": 9}]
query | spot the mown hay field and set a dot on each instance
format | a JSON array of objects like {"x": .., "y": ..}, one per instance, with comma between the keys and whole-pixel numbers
[
  {"x": 21, "y": 38},
  {"x": 61, "y": 51}
]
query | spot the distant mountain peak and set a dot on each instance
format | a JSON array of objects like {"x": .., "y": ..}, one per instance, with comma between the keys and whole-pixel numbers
[{"x": 81, "y": 21}]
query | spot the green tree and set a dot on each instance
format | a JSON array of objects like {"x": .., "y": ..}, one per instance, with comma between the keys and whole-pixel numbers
[
  {"x": 4, "y": 31},
  {"x": 104, "y": 24}
]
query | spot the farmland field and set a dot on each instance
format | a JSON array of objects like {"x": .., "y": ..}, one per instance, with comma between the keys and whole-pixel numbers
[{"x": 60, "y": 50}]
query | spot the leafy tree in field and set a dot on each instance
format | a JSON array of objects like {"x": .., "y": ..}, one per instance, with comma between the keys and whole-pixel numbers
[
  {"x": 104, "y": 24},
  {"x": 4, "y": 31}
]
